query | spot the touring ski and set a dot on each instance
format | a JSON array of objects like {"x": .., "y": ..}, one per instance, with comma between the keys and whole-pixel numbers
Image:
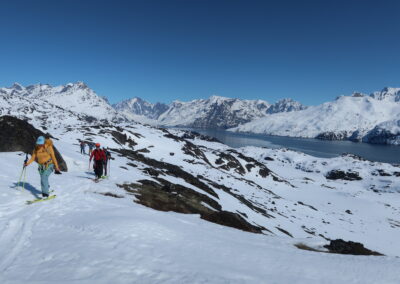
[{"x": 41, "y": 199}]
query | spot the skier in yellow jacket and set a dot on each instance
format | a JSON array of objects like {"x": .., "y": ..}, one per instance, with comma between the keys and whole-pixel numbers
[{"x": 44, "y": 156}]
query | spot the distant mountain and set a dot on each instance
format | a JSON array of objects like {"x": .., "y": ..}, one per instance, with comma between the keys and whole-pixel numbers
[
  {"x": 285, "y": 105},
  {"x": 359, "y": 117},
  {"x": 139, "y": 107},
  {"x": 75, "y": 97},
  {"x": 39, "y": 113},
  {"x": 215, "y": 112}
]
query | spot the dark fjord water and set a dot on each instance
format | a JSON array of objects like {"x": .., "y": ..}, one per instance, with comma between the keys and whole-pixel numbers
[{"x": 314, "y": 147}]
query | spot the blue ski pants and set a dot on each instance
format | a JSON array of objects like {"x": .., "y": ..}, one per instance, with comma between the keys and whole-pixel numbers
[{"x": 44, "y": 177}]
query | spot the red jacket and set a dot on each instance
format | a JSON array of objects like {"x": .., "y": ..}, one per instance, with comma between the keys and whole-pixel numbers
[{"x": 98, "y": 155}]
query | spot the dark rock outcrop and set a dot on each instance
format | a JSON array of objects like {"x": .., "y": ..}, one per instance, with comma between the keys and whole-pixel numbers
[
  {"x": 343, "y": 247},
  {"x": 338, "y": 174},
  {"x": 18, "y": 135},
  {"x": 332, "y": 135},
  {"x": 381, "y": 136},
  {"x": 165, "y": 196}
]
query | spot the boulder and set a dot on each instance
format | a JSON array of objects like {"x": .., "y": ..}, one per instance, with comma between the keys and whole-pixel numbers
[
  {"x": 338, "y": 174},
  {"x": 18, "y": 135},
  {"x": 344, "y": 247}
]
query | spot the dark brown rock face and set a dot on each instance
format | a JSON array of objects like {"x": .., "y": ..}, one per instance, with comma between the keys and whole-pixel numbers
[
  {"x": 337, "y": 174},
  {"x": 18, "y": 135},
  {"x": 343, "y": 247}
]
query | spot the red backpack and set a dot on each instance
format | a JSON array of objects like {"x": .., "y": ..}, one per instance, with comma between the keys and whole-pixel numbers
[{"x": 98, "y": 155}]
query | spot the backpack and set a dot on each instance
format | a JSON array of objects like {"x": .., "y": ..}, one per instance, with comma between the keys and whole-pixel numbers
[
  {"x": 48, "y": 145},
  {"x": 98, "y": 155}
]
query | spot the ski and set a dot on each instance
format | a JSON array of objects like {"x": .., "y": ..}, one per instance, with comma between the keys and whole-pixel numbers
[
  {"x": 40, "y": 199},
  {"x": 96, "y": 180}
]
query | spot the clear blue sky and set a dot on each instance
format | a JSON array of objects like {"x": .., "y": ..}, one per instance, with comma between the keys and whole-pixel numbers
[{"x": 164, "y": 50}]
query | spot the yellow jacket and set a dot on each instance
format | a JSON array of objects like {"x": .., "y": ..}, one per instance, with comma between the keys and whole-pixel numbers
[{"x": 44, "y": 155}]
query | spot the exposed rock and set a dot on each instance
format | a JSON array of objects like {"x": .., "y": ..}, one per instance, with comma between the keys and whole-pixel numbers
[
  {"x": 165, "y": 196},
  {"x": 343, "y": 247},
  {"x": 193, "y": 134},
  {"x": 382, "y": 173},
  {"x": 19, "y": 135},
  {"x": 309, "y": 206},
  {"x": 228, "y": 162},
  {"x": 332, "y": 135},
  {"x": 167, "y": 168},
  {"x": 338, "y": 174}
]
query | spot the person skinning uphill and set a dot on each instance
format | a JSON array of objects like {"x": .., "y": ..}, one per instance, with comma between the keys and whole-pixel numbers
[
  {"x": 99, "y": 160},
  {"x": 44, "y": 155},
  {"x": 106, "y": 161},
  {"x": 91, "y": 146},
  {"x": 83, "y": 145}
]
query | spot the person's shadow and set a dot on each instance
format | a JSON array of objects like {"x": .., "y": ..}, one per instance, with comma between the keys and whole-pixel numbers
[{"x": 27, "y": 186}]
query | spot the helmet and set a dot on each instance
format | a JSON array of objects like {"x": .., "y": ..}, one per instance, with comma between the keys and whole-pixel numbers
[
  {"x": 97, "y": 145},
  {"x": 40, "y": 140}
]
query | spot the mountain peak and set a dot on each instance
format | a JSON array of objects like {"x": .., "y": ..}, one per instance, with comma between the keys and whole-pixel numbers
[
  {"x": 17, "y": 86},
  {"x": 81, "y": 85},
  {"x": 285, "y": 105},
  {"x": 216, "y": 98},
  {"x": 358, "y": 95},
  {"x": 387, "y": 93}
]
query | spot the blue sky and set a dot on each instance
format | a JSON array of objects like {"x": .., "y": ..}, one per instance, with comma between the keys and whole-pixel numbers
[{"x": 163, "y": 50}]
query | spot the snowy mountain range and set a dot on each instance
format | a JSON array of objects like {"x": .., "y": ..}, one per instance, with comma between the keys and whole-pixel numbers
[
  {"x": 214, "y": 112},
  {"x": 371, "y": 118}
]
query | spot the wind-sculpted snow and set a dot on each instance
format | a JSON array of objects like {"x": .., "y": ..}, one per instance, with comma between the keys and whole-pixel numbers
[
  {"x": 109, "y": 231},
  {"x": 348, "y": 117}
]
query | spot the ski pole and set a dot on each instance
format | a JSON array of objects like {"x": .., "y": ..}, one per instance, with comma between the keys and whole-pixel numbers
[
  {"x": 23, "y": 183},
  {"x": 23, "y": 174},
  {"x": 20, "y": 177}
]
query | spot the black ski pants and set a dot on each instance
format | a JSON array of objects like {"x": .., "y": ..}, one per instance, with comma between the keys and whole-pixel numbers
[{"x": 98, "y": 168}]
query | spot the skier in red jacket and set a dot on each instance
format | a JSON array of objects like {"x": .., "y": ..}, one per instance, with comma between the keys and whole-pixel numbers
[{"x": 99, "y": 159}]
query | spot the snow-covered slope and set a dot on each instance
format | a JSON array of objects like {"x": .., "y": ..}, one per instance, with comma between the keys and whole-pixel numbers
[
  {"x": 94, "y": 233},
  {"x": 75, "y": 97},
  {"x": 40, "y": 114},
  {"x": 350, "y": 117}
]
